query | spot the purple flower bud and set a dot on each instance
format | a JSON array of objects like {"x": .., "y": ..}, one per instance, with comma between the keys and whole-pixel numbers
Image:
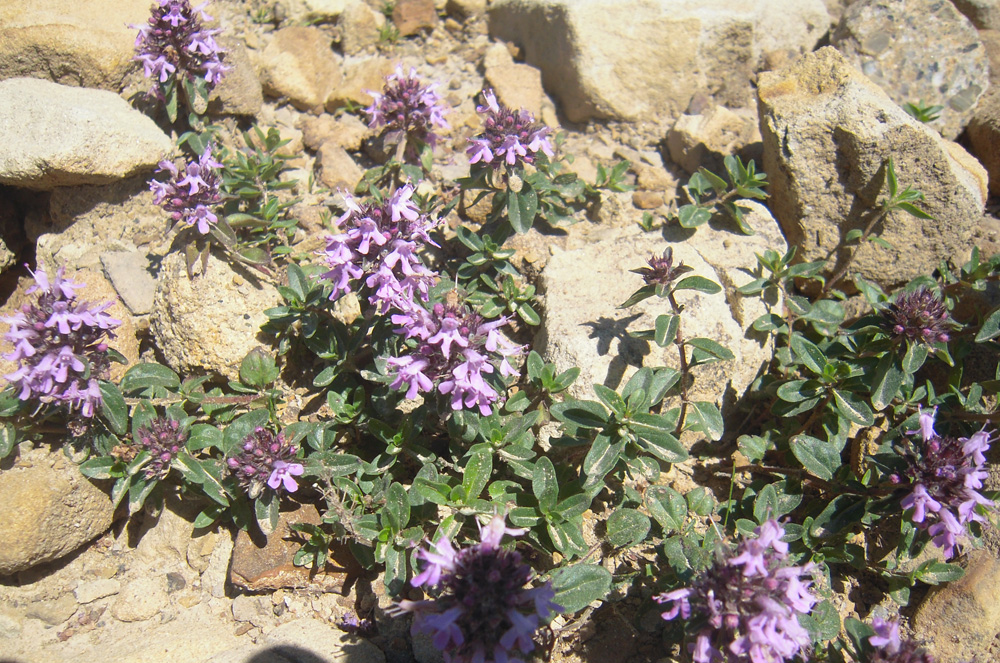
[
  {"x": 265, "y": 454},
  {"x": 163, "y": 439},
  {"x": 511, "y": 138},
  {"x": 191, "y": 195},
  {"x": 409, "y": 109},
  {"x": 919, "y": 316}
]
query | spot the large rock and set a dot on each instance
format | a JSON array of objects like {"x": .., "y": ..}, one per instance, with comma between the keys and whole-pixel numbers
[
  {"x": 984, "y": 136},
  {"x": 918, "y": 50},
  {"x": 984, "y": 14},
  {"x": 50, "y": 510},
  {"x": 583, "y": 288},
  {"x": 827, "y": 132},
  {"x": 706, "y": 139},
  {"x": 300, "y": 66},
  {"x": 85, "y": 44},
  {"x": 239, "y": 92},
  {"x": 209, "y": 323},
  {"x": 638, "y": 58},
  {"x": 55, "y": 135}
]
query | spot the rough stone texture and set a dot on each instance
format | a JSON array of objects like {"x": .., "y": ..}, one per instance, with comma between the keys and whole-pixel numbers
[
  {"x": 704, "y": 140},
  {"x": 827, "y": 132},
  {"x": 56, "y": 135},
  {"x": 239, "y": 92},
  {"x": 984, "y": 14},
  {"x": 969, "y": 606},
  {"x": 141, "y": 599},
  {"x": 346, "y": 131},
  {"x": 50, "y": 509},
  {"x": 129, "y": 274},
  {"x": 361, "y": 27},
  {"x": 984, "y": 136},
  {"x": 917, "y": 50},
  {"x": 308, "y": 12},
  {"x": 209, "y": 323},
  {"x": 92, "y": 590},
  {"x": 299, "y": 65},
  {"x": 583, "y": 288},
  {"x": 339, "y": 170},
  {"x": 84, "y": 44},
  {"x": 304, "y": 640},
  {"x": 629, "y": 60},
  {"x": 466, "y": 8},
  {"x": 359, "y": 77},
  {"x": 412, "y": 16},
  {"x": 517, "y": 86},
  {"x": 258, "y": 567}
]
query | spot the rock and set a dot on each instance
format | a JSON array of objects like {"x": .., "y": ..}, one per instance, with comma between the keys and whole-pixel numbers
[
  {"x": 141, "y": 599},
  {"x": 53, "y": 611},
  {"x": 339, "y": 171},
  {"x": 346, "y": 131},
  {"x": 647, "y": 199},
  {"x": 164, "y": 538},
  {"x": 83, "y": 44},
  {"x": 129, "y": 274},
  {"x": 57, "y": 135},
  {"x": 257, "y": 567},
  {"x": 299, "y": 65},
  {"x": 239, "y": 92},
  {"x": 984, "y": 14},
  {"x": 214, "y": 577},
  {"x": 359, "y": 77},
  {"x": 308, "y": 12},
  {"x": 209, "y": 323},
  {"x": 361, "y": 27},
  {"x": 412, "y": 16},
  {"x": 50, "y": 509},
  {"x": 91, "y": 590},
  {"x": 984, "y": 136},
  {"x": 827, "y": 132},
  {"x": 991, "y": 42},
  {"x": 466, "y": 8},
  {"x": 704, "y": 140},
  {"x": 517, "y": 86},
  {"x": 634, "y": 59},
  {"x": 917, "y": 50},
  {"x": 969, "y": 606},
  {"x": 330, "y": 644},
  {"x": 584, "y": 286}
]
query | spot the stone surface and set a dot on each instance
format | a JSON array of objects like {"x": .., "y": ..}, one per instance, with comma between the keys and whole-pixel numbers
[
  {"x": 630, "y": 60},
  {"x": 50, "y": 510},
  {"x": 984, "y": 14},
  {"x": 209, "y": 323},
  {"x": 83, "y": 44},
  {"x": 56, "y": 135},
  {"x": 704, "y": 140},
  {"x": 361, "y": 27},
  {"x": 339, "y": 170},
  {"x": 827, "y": 132},
  {"x": 346, "y": 131},
  {"x": 412, "y": 16},
  {"x": 129, "y": 274},
  {"x": 300, "y": 66},
  {"x": 466, "y": 8},
  {"x": 308, "y": 12},
  {"x": 917, "y": 50},
  {"x": 239, "y": 92},
  {"x": 305, "y": 640},
  {"x": 517, "y": 86},
  {"x": 91, "y": 590},
  {"x": 359, "y": 77},
  {"x": 141, "y": 599},
  {"x": 984, "y": 136},
  {"x": 584, "y": 286}
]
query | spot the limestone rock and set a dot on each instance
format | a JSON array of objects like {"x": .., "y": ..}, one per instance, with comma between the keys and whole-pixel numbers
[
  {"x": 984, "y": 136},
  {"x": 643, "y": 58},
  {"x": 83, "y": 44},
  {"x": 359, "y": 77},
  {"x": 466, "y": 8},
  {"x": 517, "y": 86},
  {"x": 827, "y": 132},
  {"x": 704, "y": 140},
  {"x": 50, "y": 510},
  {"x": 129, "y": 274},
  {"x": 584, "y": 286},
  {"x": 361, "y": 27},
  {"x": 339, "y": 170},
  {"x": 984, "y": 14},
  {"x": 55, "y": 135},
  {"x": 239, "y": 92},
  {"x": 209, "y": 323},
  {"x": 412, "y": 16},
  {"x": 299, "y": 65},
  {"x": 347, "y": 131},
  {"x": 141, "y": 599},
  {"x": 308, "y": 12},
  {"x": 92, "y": 590},
  {"x": 304, "y": 639},
  {"x": 917, "y": 50}
]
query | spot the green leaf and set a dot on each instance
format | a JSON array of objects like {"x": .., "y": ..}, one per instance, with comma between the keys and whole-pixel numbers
[
  {"x": 8, "y": 440},
  {"x": 266, "y": 510},
  {"x": 822, "y": 622},
  {"x": 708, "y": 351},
  {"x": 853, "y": 235},
  {"x": 580, "y": 585},
  {"x": 913, "y": 210},
  {"x": 98, "y": 468},
  {"x": 886, "y": 381},
  {"x": 655, "y": 433},
  {"x": 666, "y": 329},
  {"x": 477, "y": 473},
  {"x": 705, "y": 417},
  {"x": 692, "y": 216},
  {"x": 397, "y": 508},
  {"x": 602, "y": 458},
  {"x": 204, "y": 436},
  {"x": 627, "y": 527},
  {"x": 936, "y": 573},
  {"x": 208, "y": 516},
  {"x": 142, "y": 376},
  {"x": 573, "y": 506},
  {"x": 611, "y": 399},
  {"x": 567, "y": 536},
  {"x": 890, "y": 177},
  {"x": 643, "y": 293},
  {"x": 990, "y": 329},
  {"x": 113, "y": 407},
  {"x": 258, "y": 368},
  {"x": 522, "y": 208},
  {"x": 699, "y": 283},
  {"x": 240, "y": 428},
  {"x": 586, "y": 414},
  {"x": 529, "y": 315},
  {"x": 916, "y": 355},
  {"x": 544, "y": 484},
  {"x": 853, "y": 408},
  {"x": 820, "y": 458},
  {"x": 808, "y": 353},
  {"x": 700, "y": 501},
  {"x": 667, "y": 506}
]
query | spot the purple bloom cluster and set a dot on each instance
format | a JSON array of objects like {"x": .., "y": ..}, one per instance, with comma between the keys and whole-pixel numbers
[
  {"x": 946, "y": 475},
  {"x": 264, "y": 458},
  {"x": 409, "y": 110},
  {"x": 510, "y": 137},
  {"x": 59, "y": 344},
  {"x": 454, "y": 348},
  {"x": 891, "y": 648},
  {"x": 174, "y": 43},
  {"x": 483, "y": 611},
  {"x": 163, "y": 438},
  {"x": 919, "y": 316},
  {"x": 745, "y": 607},
  {"x": 379, "y": 244},
  {"x": 661, "y": 270},
  {"x": 191, "y": 195}
]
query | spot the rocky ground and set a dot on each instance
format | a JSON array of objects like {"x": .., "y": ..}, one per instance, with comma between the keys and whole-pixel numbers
[{"x": 668, "y": 85}]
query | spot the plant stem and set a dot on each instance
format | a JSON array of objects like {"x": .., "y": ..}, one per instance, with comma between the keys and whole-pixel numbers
[
  {"x": 684, "y": 368},
  {"x": 881, "y": 215}
]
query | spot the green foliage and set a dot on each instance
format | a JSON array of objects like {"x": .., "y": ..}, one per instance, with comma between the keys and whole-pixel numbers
[
  {"x": 922, "y": 113},
  {"x": 710, "y": 193}
]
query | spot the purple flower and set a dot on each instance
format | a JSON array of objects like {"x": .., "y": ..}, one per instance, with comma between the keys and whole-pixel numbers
[
  {"x": 191, "y": 195},
  {"x": 745, "y": 607},
  {"x": 264, "y": 458},
  {"x": 455, "y": 350},
  {"x": 510, "y": 138},
  {"x": 889, "y": 647},
  {"x": 945, "y": 475},
  {"x": 175, "y": 43},
  {"x": 481, "y": 610},
  {"x": 163, "y": 438},
  {"x": 379, "y": 249},
  {"x": 409, "y": 110},
  {"x": 661, "y": 271},
  {"x": 918, "y": 316},
  {"x": 60, "y": 346}
]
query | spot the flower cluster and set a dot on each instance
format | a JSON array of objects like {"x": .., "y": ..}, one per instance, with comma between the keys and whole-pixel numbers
[
  {"x": 661, "y": 271},
  {"x": 510, "y": 137},
  {"x": 379, "y": 244},
  {"x": 174, "y": 43},
  {"x": 59, "y": 344},
  {"x": 745, "y": 607},
  {"x": 191, "y": 195},
  {"x": 163, "y": 438},
  {"x": 264, "y": 457},
  {"x": 409, "y": 110},
  {"x": 919, "y": 316},
  {"x": 890, "y": 648},
  {"x": 946, "y": 475},
  {"x": 454, "y": 348},
  {"x": 483, "y": 610}
]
